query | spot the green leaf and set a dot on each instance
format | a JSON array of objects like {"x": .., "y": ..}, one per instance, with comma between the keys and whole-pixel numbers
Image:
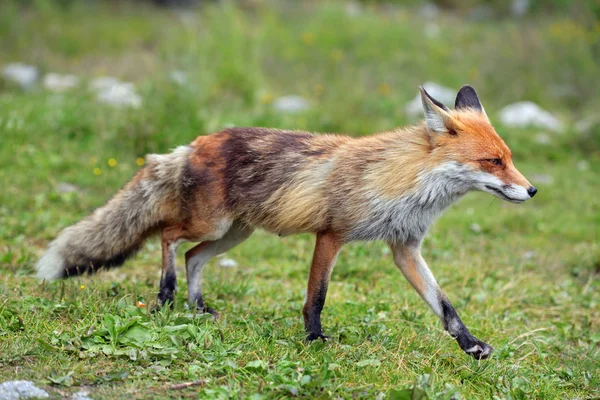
[
  {"x": 109, "y": 323},
  {"x": 62, "y": 380},
  {"x": 406, "y": 394},
  {"x": 257, "y": 365},
  {"x": 372, "y": 363},
  {"x": 136, "y": 334}
]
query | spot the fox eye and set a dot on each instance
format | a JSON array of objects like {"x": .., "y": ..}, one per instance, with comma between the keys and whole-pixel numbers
[{"x": 496, "y": 161}]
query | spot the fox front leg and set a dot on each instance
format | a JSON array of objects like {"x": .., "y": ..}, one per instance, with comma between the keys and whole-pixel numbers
[{"x": 408, "y": 258}]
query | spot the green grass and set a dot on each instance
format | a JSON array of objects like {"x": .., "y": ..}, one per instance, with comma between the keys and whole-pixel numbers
[{"x": 527, "y": 282}]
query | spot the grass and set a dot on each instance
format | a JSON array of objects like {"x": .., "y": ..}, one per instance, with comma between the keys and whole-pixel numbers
[{"x": 525, "y": 279}]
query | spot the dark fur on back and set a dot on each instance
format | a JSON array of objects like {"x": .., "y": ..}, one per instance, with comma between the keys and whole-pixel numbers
[{"x": 258, "y": 161}]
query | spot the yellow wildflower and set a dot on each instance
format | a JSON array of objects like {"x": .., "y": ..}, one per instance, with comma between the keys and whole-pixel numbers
[
  {"x": 318, "y": 89},
  {"x": 337, "y": 55},
  {"x": 384, "y": 89},
  {"x": 308, "y": 38},
  {"x": 266, "y": 98}
]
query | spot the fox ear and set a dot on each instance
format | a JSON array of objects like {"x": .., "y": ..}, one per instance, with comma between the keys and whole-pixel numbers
[
  {"x": 467, "y": 98},
  {"x": 436, "y": 114}
]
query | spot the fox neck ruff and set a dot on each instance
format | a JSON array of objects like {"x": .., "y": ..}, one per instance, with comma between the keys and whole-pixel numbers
[{"x": 407, "y": 218}]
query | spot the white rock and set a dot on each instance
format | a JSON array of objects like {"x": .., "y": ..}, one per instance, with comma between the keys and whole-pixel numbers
[
  {"x": 59, "y": 83},
  {"x": 120, "y": 95},
  {"x": 15, "y": 390},
  {"x": 438, "y": 92},
  {"x": 227, "y": 263},
  {"x": 542, "y": 179},
  {"x": 104, "y": 82},
  {"x": 432, "y": 30},
  {"x": 291, "y": 104},
  {"x": 527, "y": 113},
  {"x": 353, "y": 9},
  {"x": 82, "y": 395},
  {"x": 528, "y": 255},
  {"x": 64, "y": 187},
  {"x": 429, "y": 10},
  {"x": 22, "y": 74},
  {"x": 475, "y": 227},
  {"x": 178, "y": 77},
  {"x": 583, "y": 165},
  {"x": 543, "y": 138},
  {"x": 587, "y": 124},
  {"x": 519, "y": 7}
]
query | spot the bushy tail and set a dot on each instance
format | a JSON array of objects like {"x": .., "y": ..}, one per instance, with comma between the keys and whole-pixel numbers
[{"x": 117, "y": 230}]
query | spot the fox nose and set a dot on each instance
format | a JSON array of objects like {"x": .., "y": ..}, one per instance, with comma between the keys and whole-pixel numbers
[{"x": 532, "y": 191}]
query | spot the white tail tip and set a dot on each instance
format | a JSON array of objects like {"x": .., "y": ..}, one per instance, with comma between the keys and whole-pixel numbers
[{"x": 51, "y": 265}]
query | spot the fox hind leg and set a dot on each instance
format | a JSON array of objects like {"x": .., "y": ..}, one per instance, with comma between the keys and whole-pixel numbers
[
  {"x": 197, "y": 257},
  {"x": 170, "y": 240},
  {"x": 326, "y": 250}
]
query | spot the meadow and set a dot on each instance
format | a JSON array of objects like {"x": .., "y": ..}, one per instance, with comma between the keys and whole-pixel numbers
[{"x": 524, "y": 278}]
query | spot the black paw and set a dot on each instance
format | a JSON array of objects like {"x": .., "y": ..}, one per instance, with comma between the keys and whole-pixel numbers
[
  {"x": 478, "y": 349},
  {"x": 208, "y": 310},
  {"x": 164, "y": 299},
  {"x": 314, "y": 336}
]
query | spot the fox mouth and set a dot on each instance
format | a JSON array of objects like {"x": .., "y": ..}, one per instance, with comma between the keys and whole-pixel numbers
[{"x": 502, "y": 195}]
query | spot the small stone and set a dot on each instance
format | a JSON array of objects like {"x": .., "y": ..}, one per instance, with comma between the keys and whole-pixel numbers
[
  {"x": 527, "y": 113},
  {"x": 444, "y": 94},
  {"x": 542, "y": 179},
  {"x": 291, "y": 104},
  {"x": 528, "y": 255},
  {"x": 353, "y": 9},
  {"x": 15, "y": 390},
  {"x": 475, "y": 227},
  {"x": 429, "y": 10},
  {"x": 104, "y": 82},
  {"x": 583, "y": 165},
  {"x": 585, "y": 125},
  {"x": 64, "y": 187},
  {"x": 179, "y": 77},
  {"x": 112, "y": 91},
  {"x": 432, "y": 30},
  {"x": 120, "y": 95},
  {"x": 519, "y": 7},
  {"x": 227, "y": 263},
  {"x": 81, "y": 395},
  {"x": 543, "y": 138},
  {"x": 60, "y": 83},
  {"x": 22, "y": 74}
]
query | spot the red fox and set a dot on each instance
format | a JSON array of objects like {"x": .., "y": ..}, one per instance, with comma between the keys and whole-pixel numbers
[{"x": 389, "y": 186}]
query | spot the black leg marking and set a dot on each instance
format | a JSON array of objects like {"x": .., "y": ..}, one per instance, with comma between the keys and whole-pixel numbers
[
  {"x": 168, "y": 284},
  {"x": 469, "y": 343},
  {"x": 199, "y": 302},
  {"x": 312, "y": 313},
  {"x": 326, "y": 250}
]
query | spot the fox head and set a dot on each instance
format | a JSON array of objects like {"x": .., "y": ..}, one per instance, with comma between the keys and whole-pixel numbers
[{"x": 465, "y": 137}]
